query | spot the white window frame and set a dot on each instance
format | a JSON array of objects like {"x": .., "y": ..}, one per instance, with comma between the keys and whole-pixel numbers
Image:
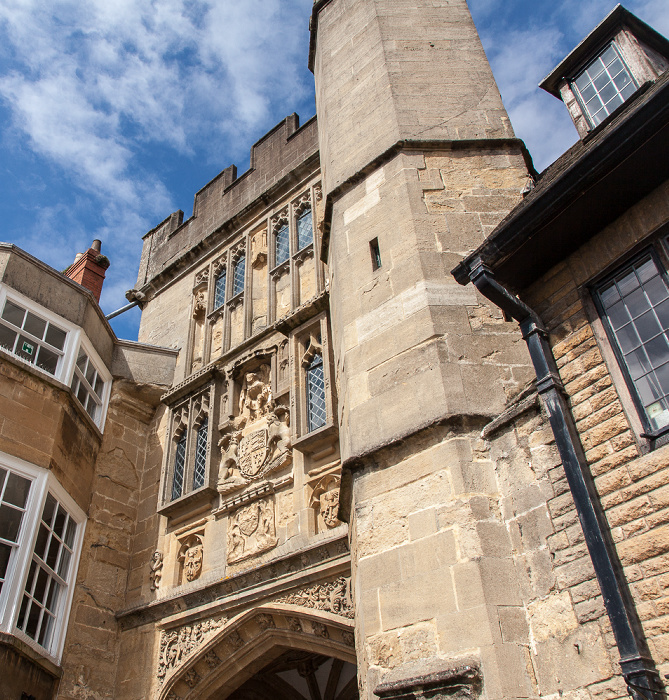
[
  {"x": 43, "y": 483},
  {"x": 75, "y": 339}
]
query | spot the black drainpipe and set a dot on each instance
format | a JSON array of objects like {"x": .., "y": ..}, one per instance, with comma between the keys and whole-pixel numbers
[{"x": 637, "y": 666}]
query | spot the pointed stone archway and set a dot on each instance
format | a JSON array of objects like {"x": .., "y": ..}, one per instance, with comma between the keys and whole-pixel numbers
[{"x": 265, "y": 645}]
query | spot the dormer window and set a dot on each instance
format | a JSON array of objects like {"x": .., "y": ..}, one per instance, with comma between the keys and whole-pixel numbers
[{"x": 604, "y": 85}]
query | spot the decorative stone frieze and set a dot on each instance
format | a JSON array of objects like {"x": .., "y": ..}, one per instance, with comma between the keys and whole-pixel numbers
[{"x": 333, "y": 596}]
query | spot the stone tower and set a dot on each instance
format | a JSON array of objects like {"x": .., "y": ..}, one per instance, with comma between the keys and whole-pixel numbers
[{"x": 419, "y": 163}]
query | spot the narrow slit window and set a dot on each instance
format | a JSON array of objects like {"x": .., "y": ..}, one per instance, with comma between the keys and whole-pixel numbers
[
  {"x": 179, "y": 464},
  {"x": 219, "y": 289},
  {"x": 238, "y": 276},
  {"x": 200, "y": 455},
  {"x": 375, "y": 253},
  {"x": 305, "y": 229}
]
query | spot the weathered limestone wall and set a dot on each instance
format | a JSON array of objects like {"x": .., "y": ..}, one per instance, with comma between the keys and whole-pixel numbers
[
  {"x": 632, "y": 486},
  {"x": 91, "y": 653},
  {"x": 388, "y": 70}
]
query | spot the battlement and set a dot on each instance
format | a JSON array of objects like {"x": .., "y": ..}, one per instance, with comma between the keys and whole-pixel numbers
[{"x": 225, "y": 200}]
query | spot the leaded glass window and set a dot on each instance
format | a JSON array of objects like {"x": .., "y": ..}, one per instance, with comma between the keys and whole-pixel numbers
[
  {"x": 316, "y": 411},
  {"x": 635, "y": 304},
  {"x": 604, "y": 85},
  {"x": 200, "y": 455},
  {"x": 219, "y": 289},
  {"x": 179, "y": 465},
  {"x": 48, "y": 575},
  {"x": 14, "y": 490},
  {"x": 238, "y": 275},
  {"x": 305, "y": 232},
  {"x": 282, "y": 244},
  {"x": 31, "y": 337}
]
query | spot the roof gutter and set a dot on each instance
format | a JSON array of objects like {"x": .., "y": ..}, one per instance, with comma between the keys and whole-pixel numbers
[{"x": 637, "y": 666}]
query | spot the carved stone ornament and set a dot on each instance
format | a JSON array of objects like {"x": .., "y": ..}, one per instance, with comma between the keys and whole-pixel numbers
[
  {"x": 325, "y": 498},
  {"x": 259, "y": 249},
  {"x": 178, "y": 645},
  {"x": 156, "y": 570},
  {"x": 190, "y": 556},
  {"x": 199, "y": 304},
  {"x": 334, "y": 597},
  {"x": 258, "y": 441},
  {"x": 251, "y": 530},
  {"x": 201, "y": 277}
]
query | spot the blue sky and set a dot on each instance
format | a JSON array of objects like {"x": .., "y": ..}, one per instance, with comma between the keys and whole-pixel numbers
[{"x": 113, "y": 113}]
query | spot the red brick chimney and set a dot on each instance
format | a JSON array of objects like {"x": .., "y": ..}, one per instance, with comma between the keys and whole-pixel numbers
[{"x": 88, "y": 269}]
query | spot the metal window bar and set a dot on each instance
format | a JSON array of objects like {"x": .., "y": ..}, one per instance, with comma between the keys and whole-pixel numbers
[
  {"x": 219, "y": 289},
  {"x": 200, "y": 469},
  {"x": 316, "y": 409},
  {"x": 305, "y": 230},
  {"x": 179, "y": 464}
]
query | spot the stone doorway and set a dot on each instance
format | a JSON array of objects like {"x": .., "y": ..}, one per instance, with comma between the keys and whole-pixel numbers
[{"x": 301, "y": 675}]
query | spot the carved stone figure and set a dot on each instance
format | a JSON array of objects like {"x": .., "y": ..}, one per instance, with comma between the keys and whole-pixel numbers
[
  {"x": 229, "y": 477},
  {"x": 259, "y": 249},
  {"x": 278, "y": 434},
  {"x": 199, "y": 304},
  {"x": 251, "y": 530},
  {"x": 191, "y": 555},
  {"x": 255, "y": 399},
  {"x": 156, "y": 572}
]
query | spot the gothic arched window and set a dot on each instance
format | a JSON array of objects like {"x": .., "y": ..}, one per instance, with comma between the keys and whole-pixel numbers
[
  {"x": 219, "y": 289},
  {"x": 315, "y": 380},
  {"x": 305, "y": 229}
]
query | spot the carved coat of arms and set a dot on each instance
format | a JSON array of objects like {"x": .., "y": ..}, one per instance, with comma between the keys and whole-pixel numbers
[{"x": 253, "y": 453}]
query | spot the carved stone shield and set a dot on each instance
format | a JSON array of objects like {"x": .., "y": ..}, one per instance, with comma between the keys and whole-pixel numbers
[
  {"x": 248, "y": 519},
  {"x": 253, "y": 453}
]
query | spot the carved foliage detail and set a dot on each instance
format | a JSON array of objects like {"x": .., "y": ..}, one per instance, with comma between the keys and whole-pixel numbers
[
  {"x": 334, "y": 597},
  {"x": 178, "y": 645}
]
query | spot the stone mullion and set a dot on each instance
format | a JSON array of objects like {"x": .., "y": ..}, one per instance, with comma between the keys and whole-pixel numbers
[
  {"x": 248, "y": 289},
  {"x": 229, "y": 275},
  {"x": 319, "y": 267},
  {"x": 209, "y": 322},
  {"x": 294, "y": 277}
]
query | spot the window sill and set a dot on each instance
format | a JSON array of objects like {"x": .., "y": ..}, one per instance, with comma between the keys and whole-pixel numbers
[
  {"x": 201, "y": 499},
  {"x": 312, "y": 441},
  {"x": 28, "y": 652}
]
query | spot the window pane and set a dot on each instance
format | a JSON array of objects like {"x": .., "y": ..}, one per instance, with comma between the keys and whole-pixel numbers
[
  {"x": 42, "y": 541},
  {"x": 5, "y": 551},
  {"x": 34, "y": 325},
  {"x": 219, "y": 290},
  {"x": 33, "y": 620},
  {"x": 304, "y": 230},
  {"x": 90, "y": 374},
  {"x": 17, "y": 490},
  {"x": 282, "y": 244},
  {"x": 200, "y": 468},
  {"x": 10, "y": 521},
  {"x": 64, "y": 564},
  {"x": 7, "y": 338},
  {"x": 40, "y": 586},
  {"x": 56, "y": 337},
  {"x": 49, "y": 509},
  {"x": 46, "y": 629},
  {"x": 238, "y": 278},
  {"x": 69, "y": 533},
  {"x": 47, "y": 360},
  {"x": 179, "y": 463},
  {"x": 647, "y": 326},
  {"x": 26, "y": 348},
  {"x": 14, "y": 314},
  {"x": 316, "y": 411}
]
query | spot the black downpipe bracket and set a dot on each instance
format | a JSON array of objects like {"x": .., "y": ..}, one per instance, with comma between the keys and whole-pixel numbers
[{"x": 638, "y": 670}]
